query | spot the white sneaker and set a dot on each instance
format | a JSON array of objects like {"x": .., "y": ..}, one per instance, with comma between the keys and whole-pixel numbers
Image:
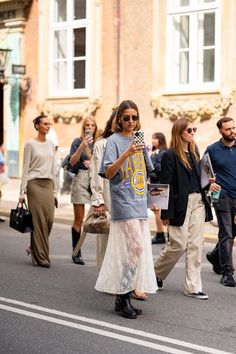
[{"x": 199, "y": 295}]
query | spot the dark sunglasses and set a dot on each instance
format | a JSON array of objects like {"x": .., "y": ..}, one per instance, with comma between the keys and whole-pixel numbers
[
  {"x": 190, "y": 130},
  {"x": 127, "y": 118}
]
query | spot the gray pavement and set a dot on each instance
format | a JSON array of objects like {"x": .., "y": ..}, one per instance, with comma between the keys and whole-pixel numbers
[
  {"x": 58, "y": 311},
  {"x": 77, "y": 319},
  {"x": 64, "y": 213}
]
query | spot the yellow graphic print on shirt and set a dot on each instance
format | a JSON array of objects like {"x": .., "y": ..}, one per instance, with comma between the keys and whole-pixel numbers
[
  {"x": 138, "y": 182},
  {"x": 135, "y": 173}
]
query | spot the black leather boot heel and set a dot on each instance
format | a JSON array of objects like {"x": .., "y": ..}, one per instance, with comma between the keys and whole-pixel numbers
[{"x": 75, "y": 238}]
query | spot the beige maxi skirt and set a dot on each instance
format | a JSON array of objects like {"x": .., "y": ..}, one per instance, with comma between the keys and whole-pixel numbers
[{"x": 41, "y": 204}]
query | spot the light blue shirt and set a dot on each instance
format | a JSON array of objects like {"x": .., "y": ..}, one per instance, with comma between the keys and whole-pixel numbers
[{"x": 129, "y": 186}]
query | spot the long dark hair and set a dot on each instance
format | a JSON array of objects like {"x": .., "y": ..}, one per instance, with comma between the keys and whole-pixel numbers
[
  {"x": 117, "y": 126},
  {"x": 162, "y": 140},
  {"x": 108, "y": 128}
]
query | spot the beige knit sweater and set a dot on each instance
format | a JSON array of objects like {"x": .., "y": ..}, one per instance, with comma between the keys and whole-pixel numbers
[{"x": 38, "y": 162}]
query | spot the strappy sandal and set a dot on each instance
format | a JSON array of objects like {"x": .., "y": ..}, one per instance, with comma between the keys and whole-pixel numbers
[
  {"x": 139, "y": 295},
  {"x": 28, "y": 251}
]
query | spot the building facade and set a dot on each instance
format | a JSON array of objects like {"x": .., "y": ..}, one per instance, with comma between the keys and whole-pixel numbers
[
  {"x": 174, "y": 58},
  {"x": 18, "y": 34}
]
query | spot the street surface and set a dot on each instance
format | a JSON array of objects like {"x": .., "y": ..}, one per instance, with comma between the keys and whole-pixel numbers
[{"x": 58, "y": 311}]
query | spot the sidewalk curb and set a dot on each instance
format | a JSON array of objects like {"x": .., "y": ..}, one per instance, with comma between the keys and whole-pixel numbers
[
  {"x": 67, "y": 220},
  {"x": 64, "y": 213},
  {"x": 57, "y": 218}
]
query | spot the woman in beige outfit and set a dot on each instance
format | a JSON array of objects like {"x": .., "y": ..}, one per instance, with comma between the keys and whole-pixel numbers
[
  {"x": 37, "y": 184},
  {"x": 187, "y": 210}
]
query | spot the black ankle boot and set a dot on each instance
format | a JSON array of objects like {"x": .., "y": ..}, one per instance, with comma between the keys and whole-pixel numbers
[
  {"x": 159, "y": 238},
  {"x": 75, "y": 239},
  {"x": 124, "y": 306},
  {"x": 117, "y": 305}
]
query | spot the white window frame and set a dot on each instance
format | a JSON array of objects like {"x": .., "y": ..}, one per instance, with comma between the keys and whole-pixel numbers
[
  {"x": 70, "y": 25},
  {"x": 193, "y": 10}
]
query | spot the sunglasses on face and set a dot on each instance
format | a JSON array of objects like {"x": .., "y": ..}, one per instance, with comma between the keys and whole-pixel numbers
[
  {"x": 190, "y": 130},
  {"x": 127, "y": 118}
]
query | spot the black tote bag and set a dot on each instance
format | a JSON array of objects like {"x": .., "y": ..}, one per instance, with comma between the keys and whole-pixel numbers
[{"x": 21, "y": 218}]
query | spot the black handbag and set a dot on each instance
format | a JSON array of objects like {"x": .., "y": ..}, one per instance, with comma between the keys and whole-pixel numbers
[
  {"x": 21, "y": 218},
  {"x": 67, "y": 166}
]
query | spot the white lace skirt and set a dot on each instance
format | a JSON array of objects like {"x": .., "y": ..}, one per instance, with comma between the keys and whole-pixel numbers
[{"x": 128, "y": 262}]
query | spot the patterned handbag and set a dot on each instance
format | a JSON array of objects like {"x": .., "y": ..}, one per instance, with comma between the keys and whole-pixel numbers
[{"x": 96, "y": 224}]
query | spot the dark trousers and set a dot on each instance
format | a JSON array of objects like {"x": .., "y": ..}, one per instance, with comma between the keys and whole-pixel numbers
[{"x": 225, "y": 210}]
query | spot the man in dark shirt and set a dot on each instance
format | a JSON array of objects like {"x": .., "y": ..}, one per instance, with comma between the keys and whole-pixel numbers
[{"x": 223, "y": 158}]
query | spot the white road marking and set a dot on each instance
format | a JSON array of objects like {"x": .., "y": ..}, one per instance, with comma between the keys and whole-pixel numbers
[
  {"x": 95, "y": 330},
  {"x": 108, "y": 325}
]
